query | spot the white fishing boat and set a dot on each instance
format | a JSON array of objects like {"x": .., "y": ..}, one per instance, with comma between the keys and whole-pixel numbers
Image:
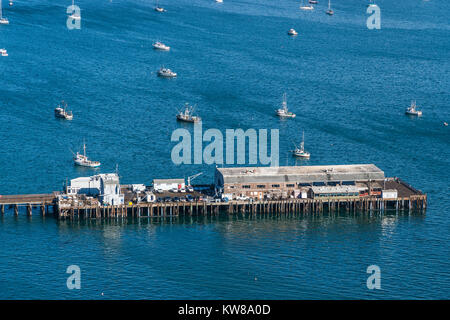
[
  {"x": 412, "y": 110},
  {"x": 62, "y": 112},
  {"x": 283, "y": 112},
  {"x": 329, "y": 12},
  {"x": 187, "y": 115},
  {"x": 300, "y": 151},
  {"x": 3, "y": 52},
  {"x": 313, "y": 1},
  {"x": 219, "y": 1},
  {"x": 160, "y": 46},
  {"x": 83, "y": 160},
  {"x": 305, "y": 7},
  {"x": 3, "y": 20},
  {"x": 292, "y": 32},
  {"x": 166, "y": 73},
  {"x": 158, "y": 8},
  {"x": 10, "y": 3}
]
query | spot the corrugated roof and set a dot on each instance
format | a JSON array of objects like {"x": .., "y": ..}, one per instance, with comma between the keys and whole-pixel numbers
[
  {"x": 168, "y": 181},
  {"x": 301, "y": 173}
]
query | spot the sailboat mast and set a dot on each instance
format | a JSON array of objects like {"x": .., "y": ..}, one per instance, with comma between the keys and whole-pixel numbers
[
  {"x": 302, "y": 146},
  {"x": 1, "y": 14},
  {"x": 329, "y": 5}
]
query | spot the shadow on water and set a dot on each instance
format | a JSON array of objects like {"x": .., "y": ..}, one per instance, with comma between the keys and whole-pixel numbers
[{"x": 325, "y": 219}]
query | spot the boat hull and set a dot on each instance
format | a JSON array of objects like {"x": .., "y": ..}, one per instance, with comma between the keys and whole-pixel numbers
[
  {"x": 88, "y": 165},
  {"x": 188, "y": 120},
  {"x": 305, "y": 156},
  {"x": 416, "y": 114}
]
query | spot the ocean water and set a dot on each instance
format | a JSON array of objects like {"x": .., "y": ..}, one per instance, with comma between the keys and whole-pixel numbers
[{"x": 348, "y": 85}]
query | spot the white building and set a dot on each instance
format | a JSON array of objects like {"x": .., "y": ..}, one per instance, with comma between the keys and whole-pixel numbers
[
  {"x": 389, "y": 194},
  {"x": 168, "y": 184},
  {"x": 105, "y": 186}
]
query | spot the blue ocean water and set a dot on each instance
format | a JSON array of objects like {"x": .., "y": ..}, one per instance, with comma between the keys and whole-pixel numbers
[{"x": 348, "y": 85}]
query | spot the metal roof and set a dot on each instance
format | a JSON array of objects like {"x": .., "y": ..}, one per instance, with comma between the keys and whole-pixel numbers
[
  {"x": 308, "y": 174},
  {"x": 335, "y": 189},
  {"x": 160, "y": 181}
]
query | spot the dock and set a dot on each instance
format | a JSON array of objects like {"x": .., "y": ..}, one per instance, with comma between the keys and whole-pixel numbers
[{"x": 409, "y": 199}]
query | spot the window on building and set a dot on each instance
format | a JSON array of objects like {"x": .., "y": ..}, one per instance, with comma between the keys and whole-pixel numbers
[
  {"x": 290, "y": 185},
  {"x": 275, "y": 186},
  {"x": 261, "y": 186},
  {"x": 304, "y": 184},
  {"x": 246, "y": 187}
]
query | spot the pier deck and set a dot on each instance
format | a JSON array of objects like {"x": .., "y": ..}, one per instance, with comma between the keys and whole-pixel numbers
[{"x": 408, "y": 198}]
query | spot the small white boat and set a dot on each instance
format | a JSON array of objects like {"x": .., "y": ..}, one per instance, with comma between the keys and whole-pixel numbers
[
  {"x": 304, "y": 7},
  {"x": 10, "y": 3},
  {"x": 300, "y": 151},
  {"x": 292, "y": 32},
  {"x": 83, "y": 160},
  {"x": 3, "y": 20},
  {"x": 187, "y": 114},
  {"x": 3, "y": 52},
  {"x": 158, "y": 8},
  {"x": 219, "y": 1},
  {"x": 283, "y": 112},
  {"x": 445, "y": 124},
  {"x": 75, "y": 16},
  {"x": 62, "y": 113},
  {"x": 160, "y": 46},
  {"x": 313, "y": 1},
  {"x": 166, "y": 73},
  {"x": 412, "y": 110},
  {"x": 329, "y": 12}
]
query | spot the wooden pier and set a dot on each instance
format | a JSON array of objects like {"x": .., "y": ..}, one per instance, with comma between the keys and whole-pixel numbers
[
  {"x": 84, "y": 207},
  {"x": 143, "y": 209}
]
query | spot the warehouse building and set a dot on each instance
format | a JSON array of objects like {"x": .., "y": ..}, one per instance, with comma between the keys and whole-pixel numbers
[{"x": 297, "y": 181}]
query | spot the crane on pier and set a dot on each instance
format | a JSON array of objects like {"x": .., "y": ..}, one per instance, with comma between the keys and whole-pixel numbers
[{"x": 190, "y": 178}]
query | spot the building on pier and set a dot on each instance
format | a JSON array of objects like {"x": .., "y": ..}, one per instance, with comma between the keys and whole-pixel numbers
[
  {"x": 168, "y": 184},
  {"x": 292, "y": 181},
  {"x": 104, "y": 186}
]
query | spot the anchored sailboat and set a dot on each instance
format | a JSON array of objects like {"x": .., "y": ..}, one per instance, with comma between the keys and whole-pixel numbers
[
  {"x": 303, "y": 7},
  {"x": 158, "y": 8},
  {"x": 83, "y": 160},
  {"x": 300, "y": 151},
  {"x": 283, "y": 112},
  {"x": 61, "y": 112},
  {"x": 3, "y": 20},
  {"x": 329, "y": 12},
  {"x": 187, "y": 115},
  {"x": 412, "y": 110}
]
